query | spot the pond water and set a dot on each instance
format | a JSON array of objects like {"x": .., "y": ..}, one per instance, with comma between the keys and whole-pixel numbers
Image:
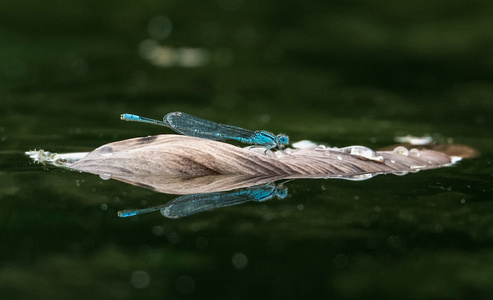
[{"x": 340, "y": 73}]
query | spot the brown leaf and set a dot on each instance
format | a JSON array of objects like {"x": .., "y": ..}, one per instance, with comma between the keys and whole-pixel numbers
[{"x": 184, "y": 165}]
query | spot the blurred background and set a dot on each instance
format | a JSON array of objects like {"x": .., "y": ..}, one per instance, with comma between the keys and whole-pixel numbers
[{"x": 337, "y": 72}]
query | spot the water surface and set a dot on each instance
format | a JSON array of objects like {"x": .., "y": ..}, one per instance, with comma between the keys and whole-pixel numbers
[{"x": 352, "y": 73}]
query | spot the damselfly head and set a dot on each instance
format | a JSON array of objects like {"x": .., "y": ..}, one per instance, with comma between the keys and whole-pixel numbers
[
  {"x": 283, "y": 139},
  {"x": 282, "y": 191}
]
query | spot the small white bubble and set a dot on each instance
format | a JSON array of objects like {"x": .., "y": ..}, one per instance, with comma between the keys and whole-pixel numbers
[
  {"x": 105, "y": 176},
  {"x": 239, "y": 260},
  {"x": 401, "y": 150},
  {"x": 402, "y": 173},
  {"x": 140, "y": 279},
  {"x": 104, "y": 207},
  {"x": 106, "y": 151}
]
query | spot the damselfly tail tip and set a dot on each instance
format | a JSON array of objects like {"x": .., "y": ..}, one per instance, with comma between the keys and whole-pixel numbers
[{"x": 126, "y": 213}]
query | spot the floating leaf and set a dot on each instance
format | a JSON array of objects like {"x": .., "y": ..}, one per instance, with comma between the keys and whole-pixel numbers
[{"x": 183, "y": 165}]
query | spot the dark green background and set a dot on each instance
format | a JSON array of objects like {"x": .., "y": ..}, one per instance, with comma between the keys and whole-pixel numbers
[{"x": 338, "y": 72}]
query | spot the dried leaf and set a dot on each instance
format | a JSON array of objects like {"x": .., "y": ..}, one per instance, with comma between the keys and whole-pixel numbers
[{"x": 183, "y": 165}]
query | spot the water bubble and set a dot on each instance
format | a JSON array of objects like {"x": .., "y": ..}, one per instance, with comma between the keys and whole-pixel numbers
[
  {"x": 106, "y": 151},
  {"x": 239, "y": 260},
  {"x": 104, "y": 207},
  {"x": 105, "y": 176},
  {"x": 401, "y": 150},
  {"x": 415, "y": 152},
  {"x": 363, "y": 153},
  {"x": 400, "y": 173},
  {"x": 359, "y": 177},
  {"x": 140, "y": 279}
]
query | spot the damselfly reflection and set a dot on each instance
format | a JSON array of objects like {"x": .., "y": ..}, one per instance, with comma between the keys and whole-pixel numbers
[{"x": 191, "y": 204}]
